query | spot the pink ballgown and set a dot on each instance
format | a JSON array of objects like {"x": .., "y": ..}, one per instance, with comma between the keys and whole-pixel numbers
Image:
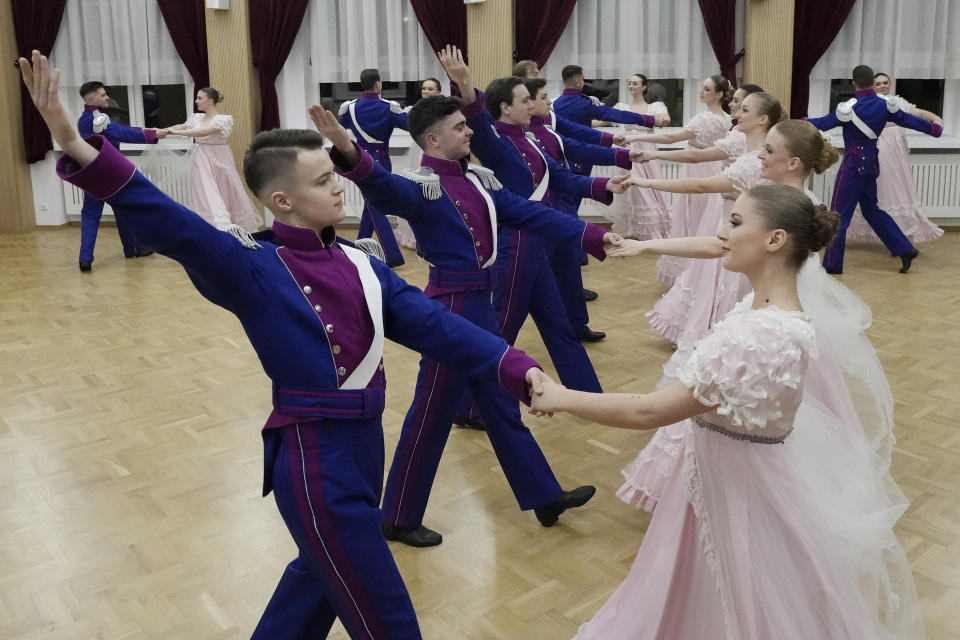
[
  {"x": 704, "y": 291},
  {"x": 707, "y": 128},
  {"x": 216, "y": 190},
  {"x": 775, "y": 519},
  {"x": 642, "y": 213}
]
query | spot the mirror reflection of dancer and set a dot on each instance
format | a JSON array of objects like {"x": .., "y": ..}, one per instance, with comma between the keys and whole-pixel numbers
[
  {"x": 862, "y": 119},
  {"x": 896, "y": 192},
  {"x": 216, "y": 191},
  {"x": 92, "y": 121},
  {"x": 778, "y": 520}
]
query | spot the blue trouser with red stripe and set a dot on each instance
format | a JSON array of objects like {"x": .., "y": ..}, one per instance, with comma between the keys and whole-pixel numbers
[
  {"x": 523, "y": 283},
  {"x": 372, "y": 221},
  {"x": 326, "y": 479},
  {"x": 850, "y": 189},
  {"x": 90, "y": 216},
  {"x": 440, "y": 390}
]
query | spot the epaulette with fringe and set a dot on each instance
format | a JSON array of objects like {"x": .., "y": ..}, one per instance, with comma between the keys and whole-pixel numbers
[
  {"x": 428, "y": 181},
  {"x": 893, "y": 105},
  {"x": 100, "y": 121},
  {"x": 595, "y": 100},
  {"x": 345, "y": 106},
  {"x": 394, "y": 106},
  {"x": 242, "y": 236},
  {"x": 487, "y": 178}
]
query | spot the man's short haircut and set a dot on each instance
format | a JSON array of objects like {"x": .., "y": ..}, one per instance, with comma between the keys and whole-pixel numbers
[
  {"x": 428, "y": 112},
  {"x": 570, "y": 72},
  {"x": 369, "y": 79},
  {"x": 500, "y": 90},
  {"x": 274, "y": 152},
  {"x": 89, "y": 87},
  {"x": 862, "y": 77},
  {"x": 534, "y": 85},
  {"x": 523, "y": 67},
  {"x": 750, "y": 88}
]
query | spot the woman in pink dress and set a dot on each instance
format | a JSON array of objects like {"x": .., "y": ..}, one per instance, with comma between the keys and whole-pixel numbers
[
  {"x": 216, "y": 190},
  {"x": 403, "y": 233},
  {"x": 639, "y": 213},
  {"x": 703, "y": 292},
  {"x": 896, "y": 192},
  {"x": 703, "y": 131},
  {"x": 778, "y": 523}
]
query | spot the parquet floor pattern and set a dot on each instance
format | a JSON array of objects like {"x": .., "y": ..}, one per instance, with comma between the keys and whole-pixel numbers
[{"x": 130, "y": 459}]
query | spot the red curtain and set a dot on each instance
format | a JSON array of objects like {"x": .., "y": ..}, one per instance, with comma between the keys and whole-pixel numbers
[
  {"x": 187, "y": 24},
  {"x": 719, "y": 17},
  {"x": 35, "y": 26},
  {"x": 443, "y": 21},
  {"x": 273, "y": 26},
  {"x": 538, "y": 26},
  {"x": 815, "y": 25}
]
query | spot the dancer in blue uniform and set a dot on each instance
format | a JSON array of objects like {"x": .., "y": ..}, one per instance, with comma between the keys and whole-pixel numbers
[
  {"x": 863, "y": 119},
  {"x": 316, "y": 311},
  {"x": 372, "y": 121},
  {"x": 93, "y": 120}
]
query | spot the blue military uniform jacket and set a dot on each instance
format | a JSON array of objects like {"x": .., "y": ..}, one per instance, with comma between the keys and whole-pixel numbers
[
  {"x": 372, "y": 121},
  {"x": 315, "y": 311},
  {"x": 94, "y": 121},
  {"x": 863, "y": 119},
  {"x": 575, "y": 106}
]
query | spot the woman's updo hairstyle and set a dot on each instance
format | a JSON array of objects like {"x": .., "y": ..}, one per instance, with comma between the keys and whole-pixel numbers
[
  {"x": 643, "y": 79},
  {"x": 213, "y": 94},
  {"x": 810, "y": 227},
  {"x": 722, "y": 85},
  {"x": 805, "y": 141},
  {"x": 768, "y": 106}
]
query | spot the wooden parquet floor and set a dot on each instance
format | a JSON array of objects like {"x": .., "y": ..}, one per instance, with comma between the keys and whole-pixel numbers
[{"x": 130, "y": 458}]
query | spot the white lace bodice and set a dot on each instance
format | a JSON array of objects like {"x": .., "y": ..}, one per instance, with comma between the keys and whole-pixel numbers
[
  {"x": 733, "y": 145},
  {"x": 746, "y": 171},
  {"x": 707, "y": 128},
  {"x": 750, "y": 370},
  {"x": 223, "y": 123},
  {"x": 653, "y": 109}
]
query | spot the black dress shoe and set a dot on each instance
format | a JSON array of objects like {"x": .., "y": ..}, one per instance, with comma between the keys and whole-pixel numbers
[
  {"x": 393, "y": 264},
  {"x": 85, "y": 266},
  {"x": 549, "y": 514},
  {"x": 908, "y": 258},
  {"x": 834, "y": 272},
  {"x": 419, "y": 537},
  {"x": 469, "y": 423},
  {"x": 589, "y": 295},
  {"x": 591, "y": 336},
  {"x": 584, "y": 261}
]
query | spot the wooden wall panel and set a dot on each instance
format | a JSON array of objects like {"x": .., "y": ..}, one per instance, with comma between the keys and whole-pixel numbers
[
  {"x": 769, "y": 43},
  {"x": 16, "y": 213},
  {"x": 490, "y": 40}
]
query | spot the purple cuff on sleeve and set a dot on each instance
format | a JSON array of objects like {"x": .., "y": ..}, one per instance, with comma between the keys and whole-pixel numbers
[
  {"x": 150, "y": 135},
  {"x": 937, "y": 130},
  {"x": 512, "y": 372},
  {"x": 473, "y": 109},
  {"x": 623, "y": 159},
  {"x": 606, "y": 139},
  {"x": 360, "y": 172},
  {"x": 598, "y": 190},
  {"x": 649, "y": 121},
  {"x": 103, "y": 177},
  {"x": 592, "y": 241}
]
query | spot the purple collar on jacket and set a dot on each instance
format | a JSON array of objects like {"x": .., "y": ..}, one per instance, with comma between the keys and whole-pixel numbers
[
  {"x": 444, "y": 167},
  {"x": 302, "y": 238}
]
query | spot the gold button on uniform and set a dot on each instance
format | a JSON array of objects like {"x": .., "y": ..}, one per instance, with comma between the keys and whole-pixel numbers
[
  {"x": 308, "y": 289},
  {"x": 341, "y": 371},
  {"x": 457, "y": 203},
  {"x": 318, "y": 308},
  {"x": 477, "y": 243},
  {"x": 336, "y": 349},
  {"x": 329, "y": 328}
]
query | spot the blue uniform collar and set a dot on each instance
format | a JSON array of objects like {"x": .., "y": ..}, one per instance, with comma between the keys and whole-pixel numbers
[
  {"x": 445, "y": 167},
  {"x": 298, "y": 238}
]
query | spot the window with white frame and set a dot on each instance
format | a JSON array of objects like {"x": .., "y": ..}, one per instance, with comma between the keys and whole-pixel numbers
[{"x": 124, "y": 44}]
